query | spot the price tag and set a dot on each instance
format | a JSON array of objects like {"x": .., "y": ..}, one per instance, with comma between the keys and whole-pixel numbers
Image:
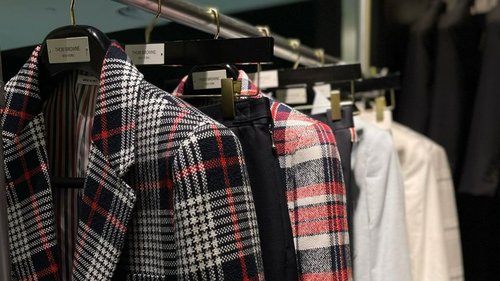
[
  {"x": 146, "y": 54},
  {"x": 208, "y": 79},
  {"x": 292, "y": 95},
  {"x": 268, "y": 79},
  {"x": 68, "y": 50}
]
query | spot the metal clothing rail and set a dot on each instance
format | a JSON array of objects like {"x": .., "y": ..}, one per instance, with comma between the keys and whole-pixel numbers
[{"x": 197, "y": 17}]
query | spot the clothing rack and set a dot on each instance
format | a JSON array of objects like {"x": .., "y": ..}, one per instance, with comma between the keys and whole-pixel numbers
[
  {"x": 197, "y": 17},
  {"x": 4, "y": 229}
]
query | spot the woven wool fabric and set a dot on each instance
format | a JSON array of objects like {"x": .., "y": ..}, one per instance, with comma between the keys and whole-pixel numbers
[
  {"x": 166, "y": 193},
  {"x": 310, "y": 165}
]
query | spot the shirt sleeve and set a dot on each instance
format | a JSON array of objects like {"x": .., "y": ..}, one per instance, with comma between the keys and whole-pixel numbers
[
  {"x": 216, "y": 233},
  {"x": 450, "y": 227},
  {"x": 317, "y": 207},
  {"x": 386, "y": 212}
]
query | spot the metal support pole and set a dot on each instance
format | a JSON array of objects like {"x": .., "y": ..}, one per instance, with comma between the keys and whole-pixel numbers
[
  {"x": 197, "y": 17},
  {"x": 365, "y": 35}
]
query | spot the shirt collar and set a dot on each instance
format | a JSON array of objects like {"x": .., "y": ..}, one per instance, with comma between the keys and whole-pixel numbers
[{"x": 247, "y": 86}]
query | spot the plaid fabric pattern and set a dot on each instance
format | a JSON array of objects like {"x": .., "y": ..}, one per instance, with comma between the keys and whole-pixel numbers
[
  {"x": 166, "y": 192},
  {"x": 310, "y": 165}
]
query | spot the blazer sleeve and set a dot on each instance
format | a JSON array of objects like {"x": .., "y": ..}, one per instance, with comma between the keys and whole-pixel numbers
[
  {"x": 317, "y": 207},
  {"x": 215, "y": 223}
]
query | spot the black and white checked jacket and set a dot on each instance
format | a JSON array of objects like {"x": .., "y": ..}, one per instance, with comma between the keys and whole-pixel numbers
[{"x": 166, "y": 193}]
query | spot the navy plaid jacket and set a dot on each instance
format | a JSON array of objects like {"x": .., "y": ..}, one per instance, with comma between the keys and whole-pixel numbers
[{"x": 166, "y": 193}]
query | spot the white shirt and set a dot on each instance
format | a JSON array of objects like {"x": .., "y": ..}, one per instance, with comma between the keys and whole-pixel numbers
[
  {"x": 379, "y": 225},
  {"x": 431, "y": 214}
]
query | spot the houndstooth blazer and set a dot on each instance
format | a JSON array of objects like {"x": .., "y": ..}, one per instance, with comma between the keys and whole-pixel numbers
[{"x": 166, "y": 193}]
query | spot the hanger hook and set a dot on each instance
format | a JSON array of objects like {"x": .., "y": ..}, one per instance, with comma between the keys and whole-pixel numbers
[
  {"x": 151, "y": 25},
  {"x": 264, "y": 30},
  {"x": 72, "y": 12},
  {"x": 215, "y": 13},
  {"x": 393, "y": 99},
  {"x": 320, "y": 53},
  {"x": 295, "y": 44}
]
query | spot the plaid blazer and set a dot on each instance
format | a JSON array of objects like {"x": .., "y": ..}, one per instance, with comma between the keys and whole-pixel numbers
[
  {"x": 310, "y": 165},
  {"x": 166, "y": 193}
]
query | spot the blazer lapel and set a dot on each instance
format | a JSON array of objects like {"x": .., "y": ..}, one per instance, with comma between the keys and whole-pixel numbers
[
  {"x": 107, "y": 201},
  {"x": 32, "y": 236}
]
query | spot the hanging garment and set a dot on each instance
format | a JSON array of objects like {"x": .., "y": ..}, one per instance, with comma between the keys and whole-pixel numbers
[
  {"x": 414, "y": 106},
  {"x": 154, "y": 162},
  {"x": 380, "y": 235},
  {"x": 315, "y": 189},
  {"x": 479, "y": 203},
  {"x": 253, "y": 125},
  {"x": 431, "y": 213},
  {"x": 345, "y": 135},
  {"x": 370, "y": 116},
  {"x": 482, "y": 161},
  {"x": 457, "y": 68}
]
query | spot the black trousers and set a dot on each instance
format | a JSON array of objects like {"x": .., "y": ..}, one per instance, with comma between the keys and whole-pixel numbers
[
  {"x": 342, "y": 132},
  {"x": 253, "y": 126}
]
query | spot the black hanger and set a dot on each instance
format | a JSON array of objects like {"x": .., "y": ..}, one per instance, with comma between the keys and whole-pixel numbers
[
  {"x": 203, "y": 52},
  {"x": 98, "y": 46},
  {"x": 231, "y": 72},
  {"x": 51, "y": 74},
  {"x": 313, "y": 75},
  {"x": 234, "y": 51},
  {"x": 390, "y": 82}
]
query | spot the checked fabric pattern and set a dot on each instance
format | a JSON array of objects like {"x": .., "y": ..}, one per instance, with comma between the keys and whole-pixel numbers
[
  {"x": 166, "y": 193},
  {"x": 310, "y": 165}
]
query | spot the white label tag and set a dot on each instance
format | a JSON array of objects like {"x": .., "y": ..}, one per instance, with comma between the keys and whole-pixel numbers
[
  {"x": 146, "y": 54},
  {"x": 324, "y": 90},
  {"x": 292, "y": 95},
  {"x": 208, "y": 79},
  {"x": 68, "y": 50},
  {"x": 87, "y": 80},
  {"x": 268, "y": 79}
]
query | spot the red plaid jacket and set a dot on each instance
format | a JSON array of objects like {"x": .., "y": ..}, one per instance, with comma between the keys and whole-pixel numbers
[
  {"x": 166, "y": 192},
  {"x": 310, "y": 164}
]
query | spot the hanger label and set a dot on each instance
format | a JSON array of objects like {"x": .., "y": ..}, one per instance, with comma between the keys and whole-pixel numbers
[
  {"x": 324, "y": 90},
  {"x": 268, "y": 79},
  {"x": 208, "y": 79},
  {"x": 292, "y": 95},
  {"x": 68, "y": 50},
  {"x": 87, "y": 80},
  {"x": 146, "y": 54}
]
